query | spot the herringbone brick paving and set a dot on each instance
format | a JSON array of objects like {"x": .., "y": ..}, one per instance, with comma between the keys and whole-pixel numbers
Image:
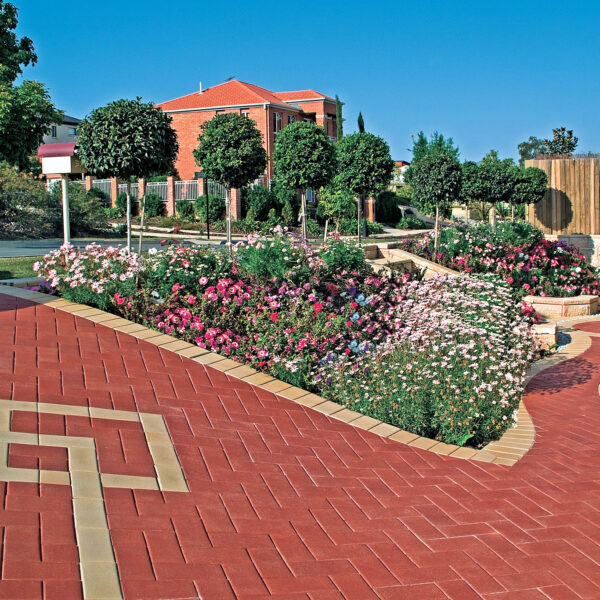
[{"x": 285, "y": 502}]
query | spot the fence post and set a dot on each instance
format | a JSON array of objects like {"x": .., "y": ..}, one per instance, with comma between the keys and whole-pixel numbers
[
  {"x": 202, "y": 191},
  {"x": 114, "y": 190},
  {"x": 370, "y": 209},
  {"x": 236, "y": 204},
  {"x": 141, "y": 188},
  {"x": 170, "y": 208},
  {"x": 88, "y": 183}
]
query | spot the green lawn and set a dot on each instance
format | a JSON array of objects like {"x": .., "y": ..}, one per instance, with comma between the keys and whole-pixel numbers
[{"x": 13, "y": 268}]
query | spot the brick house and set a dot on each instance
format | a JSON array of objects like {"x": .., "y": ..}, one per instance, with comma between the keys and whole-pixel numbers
[{"x": 271, "y": 111}]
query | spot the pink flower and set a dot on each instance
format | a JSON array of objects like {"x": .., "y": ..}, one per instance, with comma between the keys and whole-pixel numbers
[{"x": 203, "y": 280}]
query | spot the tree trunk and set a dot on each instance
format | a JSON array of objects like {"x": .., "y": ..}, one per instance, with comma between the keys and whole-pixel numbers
[
  {"x": 143, "y": 204},
  {"x": 467, "y": 212},
  {"x": 364, "y": 221},
  {"x": 512, "y": 212},
  {"x": 129, "y": 215},
  {"x": 303, "y": 209},
  {"x": 493, "y": 216},
  {"x": 359, "y": 211},
  {"x": 437, "y": 227},
  {"x": 228, "y": 208},
  {"x": 326, "y": 225}
]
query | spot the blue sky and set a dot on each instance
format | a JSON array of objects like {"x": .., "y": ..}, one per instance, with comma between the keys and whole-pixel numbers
[{"x": 488, "y": 74}]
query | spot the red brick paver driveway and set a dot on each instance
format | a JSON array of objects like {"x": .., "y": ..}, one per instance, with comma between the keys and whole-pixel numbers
[{"x": 283, "y": 502}]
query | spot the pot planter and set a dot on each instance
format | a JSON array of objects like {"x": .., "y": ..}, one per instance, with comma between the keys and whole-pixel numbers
[{"x": 558, "y": 308}]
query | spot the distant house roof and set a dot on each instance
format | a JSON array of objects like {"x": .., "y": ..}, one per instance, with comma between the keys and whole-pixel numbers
[
  {"x": 235, "y": 93},
  {"x": 67, "y": 120},
  {"x": 52, "y": 150},
  {"x": 402, "y": 163}
]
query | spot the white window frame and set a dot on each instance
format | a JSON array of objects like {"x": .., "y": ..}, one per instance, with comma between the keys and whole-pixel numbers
[
  {"x": 277, "y": 122},
  {"x": 53, "y": 131}
]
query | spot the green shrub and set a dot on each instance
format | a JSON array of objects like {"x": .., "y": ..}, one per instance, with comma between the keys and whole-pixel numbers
[
  {"x": 350, "y": 227},
  {"x": 411, "y": 222},
  {"x": 216, "y": 208},
  {"x": 387, "y": 208},
  {"x": 120, "y": 230},
  {"x": 112, "y": 212},
  {"x": 121, "y": 204},
  {"x": 26, "y": 208},
  {"x": 185, "y": 209},
  {"x": 87, "y": 214},
  {"x": 312, "y": 228},
  {"x": 99, "y": 194},
  {"x": 155, "y": 207},
  {"x": 257, "y": 201},
  {"x": 289, "y": 202}
]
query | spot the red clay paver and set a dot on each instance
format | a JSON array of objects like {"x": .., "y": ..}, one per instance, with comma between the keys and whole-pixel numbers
[{"x": 285, "y": 502}]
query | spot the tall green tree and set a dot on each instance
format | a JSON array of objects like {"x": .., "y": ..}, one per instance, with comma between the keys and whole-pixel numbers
[
  {"x": 26, "y": 111},
  {"x": 423, "y": 146},
  {"x": 471, "y": 188},
  {"x": 339, "y": 120},
  {"x": 304, "y": 158},
  {"x": 563, "y": 141},
  {"x": 361, "y": 123},
  {"x": 530, "y": 149},
  {"x": 436, "y": 182},
  {"x": 125, "y": 139},
  {"x": 230, "y": 151},
  {"x": 365, "y": 167}
]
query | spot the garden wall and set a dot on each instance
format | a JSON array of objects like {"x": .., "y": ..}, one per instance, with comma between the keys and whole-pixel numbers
[{"x": 572, "y": 201}]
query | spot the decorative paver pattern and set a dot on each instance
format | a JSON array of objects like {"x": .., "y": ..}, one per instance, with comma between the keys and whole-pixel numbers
[{"x": 283, "y": 501}]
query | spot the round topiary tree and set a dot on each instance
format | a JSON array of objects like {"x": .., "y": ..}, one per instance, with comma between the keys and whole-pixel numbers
[
  {"x": 497, "y": 180},
  {"x": 231, "y": 153},
  {"x": 304, "y": 158},
  {"x": 125, "y": 139},
  {"x": 530, "y": 187},
  {"x": 436, "y": 181},
  {"x": 365, "y": 167}
]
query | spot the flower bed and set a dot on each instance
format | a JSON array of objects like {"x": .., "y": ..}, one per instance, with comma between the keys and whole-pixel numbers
[
  {"x": 518, "y": 253},
  {"x": 443, "y": 358}
]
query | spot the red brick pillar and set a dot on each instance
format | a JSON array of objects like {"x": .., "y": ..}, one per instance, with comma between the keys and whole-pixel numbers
[
  {"x": 114, "y": 190},
  {"x": 236, "y": 204},
  {"x": 141, "y": 188},
  {"x": 370, "y": 209},
  {"x": 88, "y": 182},
  {"x": 170, "y": 208},
  {"x": 202, "y": 187}
]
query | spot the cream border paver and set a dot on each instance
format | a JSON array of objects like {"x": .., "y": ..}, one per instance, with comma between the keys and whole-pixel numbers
[
  {"x": 99, "y": 574},
  {"x": 493, "y": 452}
]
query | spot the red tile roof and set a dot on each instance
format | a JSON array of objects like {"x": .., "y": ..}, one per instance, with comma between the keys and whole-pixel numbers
[
  {"x": 235, "y": 93},
  {"x": 302, "y": 95}
]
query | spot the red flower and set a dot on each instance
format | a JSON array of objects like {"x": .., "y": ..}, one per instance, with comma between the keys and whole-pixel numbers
[
  {"x": 318, "y": 307},
  {"x": 274, "y": 317}
]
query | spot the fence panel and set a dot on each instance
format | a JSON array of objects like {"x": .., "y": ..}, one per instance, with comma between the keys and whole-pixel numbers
[
  {"x": 186, "y": 190},
  {"x": 216, "y": 189},
  {"x": 104, "y": 186},
  {"x": 159, "y": 188},
  {"x": 134, "y": 190}
]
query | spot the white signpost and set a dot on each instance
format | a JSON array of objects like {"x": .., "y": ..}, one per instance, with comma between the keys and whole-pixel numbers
[{"x": 60, "y": 159}]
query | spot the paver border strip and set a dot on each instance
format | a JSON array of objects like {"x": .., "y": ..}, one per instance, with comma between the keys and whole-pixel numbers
[{"x": 510, "y": 448}]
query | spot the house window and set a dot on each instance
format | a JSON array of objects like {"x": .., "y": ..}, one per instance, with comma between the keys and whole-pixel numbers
[
  {"x": 73, "y": 131},
  {"x": 53, "y": 130},
  {"x": 277, "y": 120},
  {"x": 291, "y": 119},
  {"x": 245, "y": 113}
]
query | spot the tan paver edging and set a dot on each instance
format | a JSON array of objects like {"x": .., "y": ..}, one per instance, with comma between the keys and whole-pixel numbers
[{"x": 510, "y": 448}]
